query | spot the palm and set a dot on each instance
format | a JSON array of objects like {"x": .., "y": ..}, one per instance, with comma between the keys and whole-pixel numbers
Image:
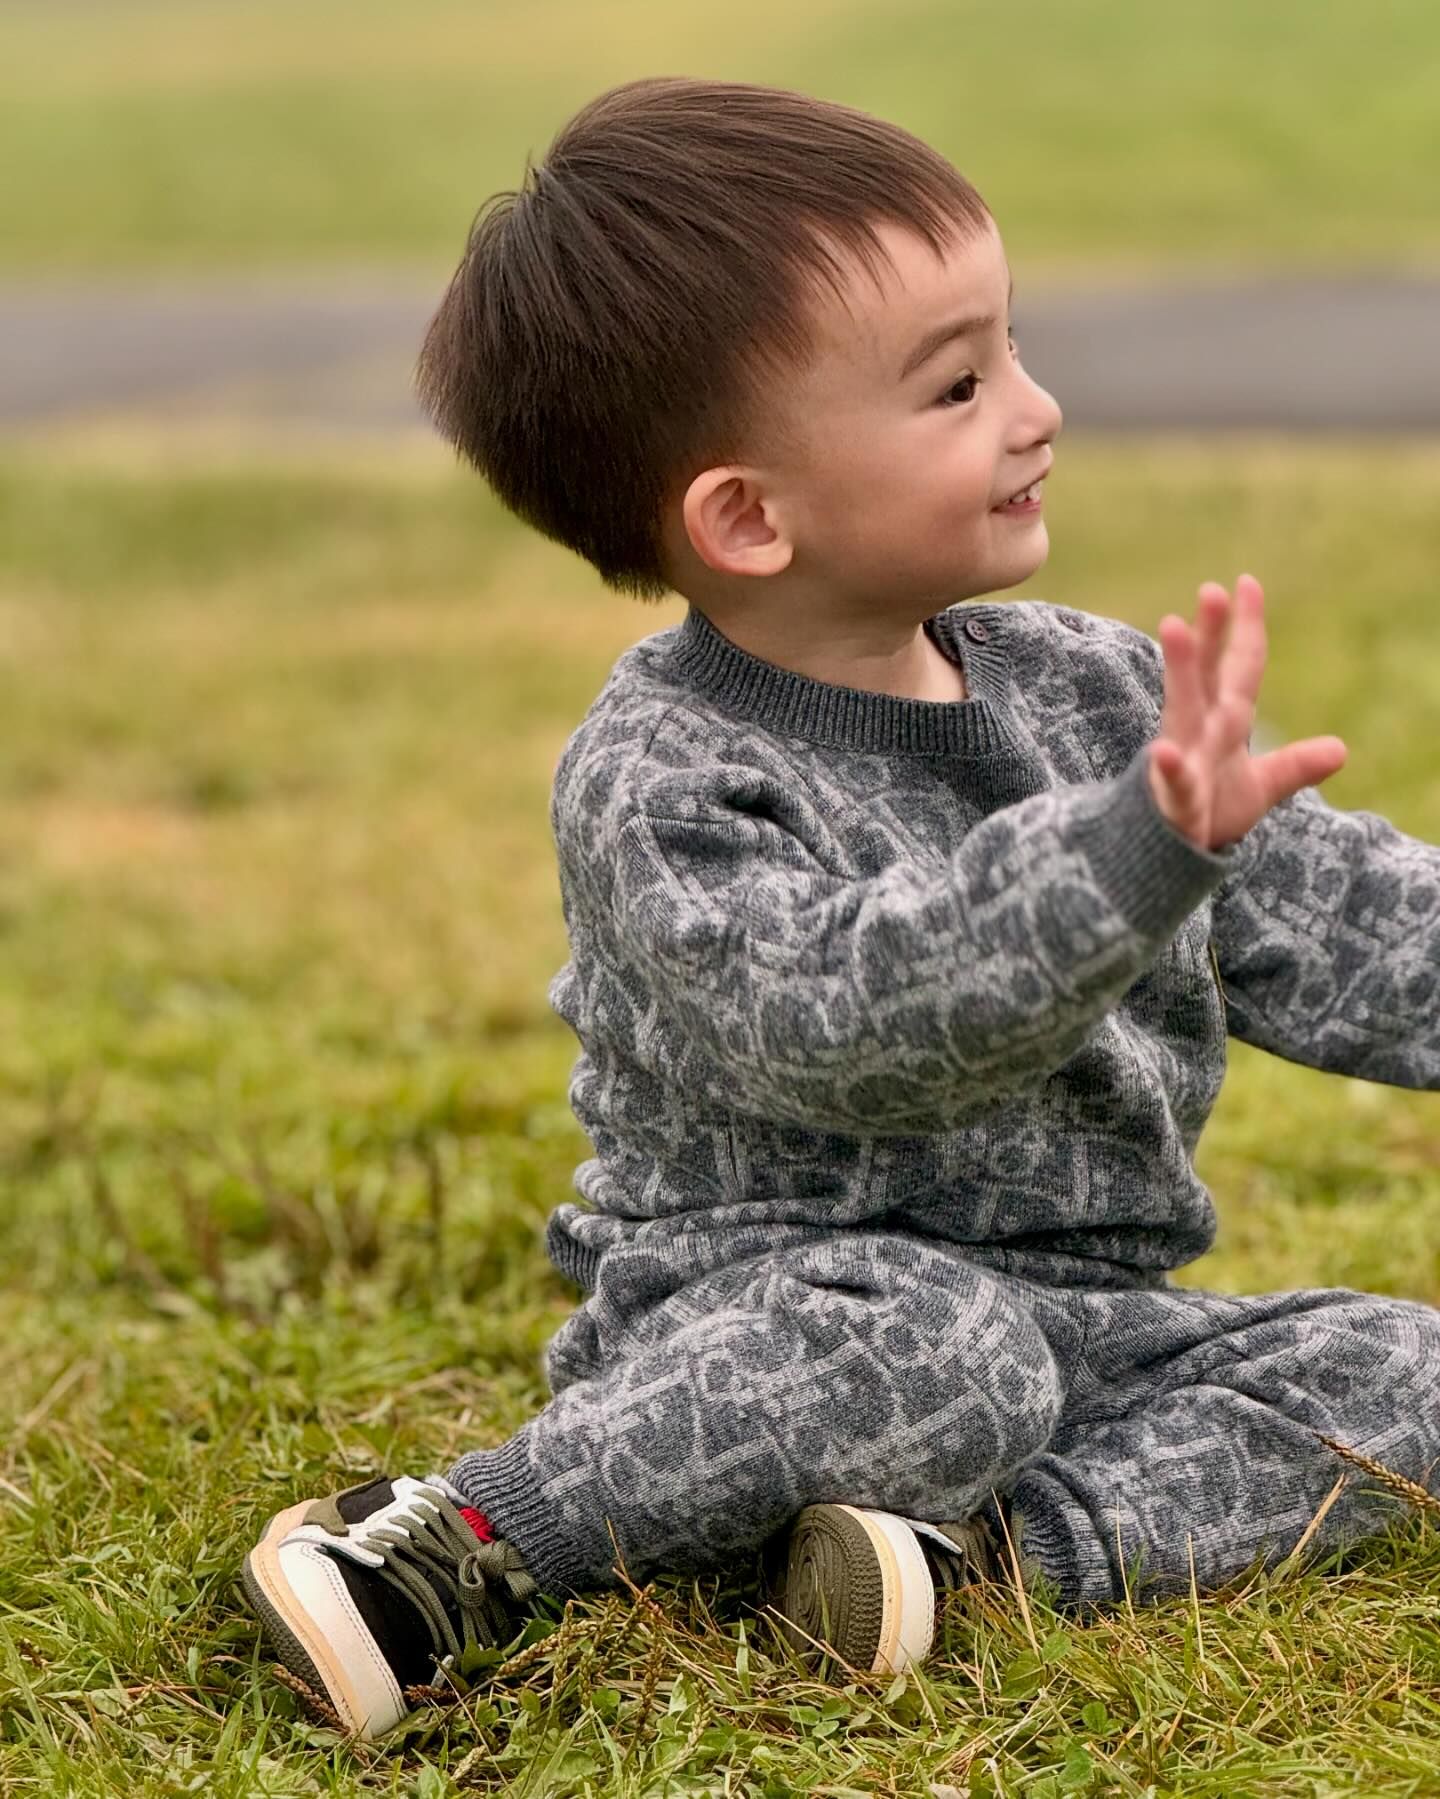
[{"x": 1240, "y": 797}]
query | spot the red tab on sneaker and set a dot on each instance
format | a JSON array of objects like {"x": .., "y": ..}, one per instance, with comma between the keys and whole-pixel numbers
[{"x": 478, "y": 1522}]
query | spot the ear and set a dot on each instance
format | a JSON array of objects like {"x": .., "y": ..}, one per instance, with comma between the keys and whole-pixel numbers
[{"x": 734, "y": 527}]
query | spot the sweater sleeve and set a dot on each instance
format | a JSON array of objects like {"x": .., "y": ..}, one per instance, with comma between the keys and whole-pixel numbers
[
  {"x": 1328, "y": 945},
  {"x": 909, "y": 1000}
]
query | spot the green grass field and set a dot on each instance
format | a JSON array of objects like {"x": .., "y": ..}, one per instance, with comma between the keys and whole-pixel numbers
[
  {"x": 1114, "y": 132},
  {"x": 283, "y": 1110}
]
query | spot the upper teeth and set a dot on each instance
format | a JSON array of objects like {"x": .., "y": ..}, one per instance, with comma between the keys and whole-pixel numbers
[{"x": 1025, "y": 493}]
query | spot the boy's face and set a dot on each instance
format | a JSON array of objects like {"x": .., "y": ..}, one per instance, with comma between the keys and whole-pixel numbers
[{"x": 884, "y": 499}]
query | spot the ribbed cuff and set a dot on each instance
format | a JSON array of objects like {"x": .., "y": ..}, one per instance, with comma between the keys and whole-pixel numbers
[
  {"x": 1153, "y": 875},
  {"x": 578, "y": 1262},
  {"x": 501, "y": 1483},
  {"x": 1059, "y": 1537}
]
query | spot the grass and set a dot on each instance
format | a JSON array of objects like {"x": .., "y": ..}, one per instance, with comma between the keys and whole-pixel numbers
[
  {"x": 360, "y": 131},
  {"x": 282, "y": 1114}
]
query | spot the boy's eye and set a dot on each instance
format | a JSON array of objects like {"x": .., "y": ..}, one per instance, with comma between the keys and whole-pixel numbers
[{"x": 971, "y": 382}]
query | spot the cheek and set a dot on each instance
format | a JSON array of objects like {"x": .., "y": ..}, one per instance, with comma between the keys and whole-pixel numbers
[
  {"x": 963, "y": 466},
  {"x": 963, "y": 490}
]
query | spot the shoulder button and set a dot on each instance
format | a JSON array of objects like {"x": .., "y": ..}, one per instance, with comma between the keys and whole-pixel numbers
[
  {"x": 975, "y": 630},
  {"x": 1072, "y": 621}
]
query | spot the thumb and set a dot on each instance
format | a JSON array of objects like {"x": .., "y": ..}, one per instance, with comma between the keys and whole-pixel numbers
[{"x": 1285, "y": 771}]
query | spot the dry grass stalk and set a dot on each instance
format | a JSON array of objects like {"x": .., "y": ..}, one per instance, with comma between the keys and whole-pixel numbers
[
  {"x": 309, "y": 1698},
  {"x": 1398, "y": 1484}
]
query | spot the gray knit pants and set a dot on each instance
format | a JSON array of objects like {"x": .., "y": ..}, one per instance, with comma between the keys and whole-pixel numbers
[{"x": 1128, "y": 1429}]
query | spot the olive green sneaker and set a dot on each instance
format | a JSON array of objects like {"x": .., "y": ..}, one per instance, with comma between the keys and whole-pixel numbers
[{"x": 860, "y": 1584}]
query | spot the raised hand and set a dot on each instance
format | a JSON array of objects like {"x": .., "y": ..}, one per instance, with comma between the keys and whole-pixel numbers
[{"x": 1205, "y": 781}]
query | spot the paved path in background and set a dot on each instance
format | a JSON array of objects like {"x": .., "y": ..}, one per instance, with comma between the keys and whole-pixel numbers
[{"x": 336, "y": 353}]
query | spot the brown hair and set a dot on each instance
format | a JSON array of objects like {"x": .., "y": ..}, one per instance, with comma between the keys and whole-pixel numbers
[{"x": 613, "y": 325}]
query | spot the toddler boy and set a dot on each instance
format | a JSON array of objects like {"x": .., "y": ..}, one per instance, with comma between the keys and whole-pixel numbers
[{"x": 907, "y": 929}]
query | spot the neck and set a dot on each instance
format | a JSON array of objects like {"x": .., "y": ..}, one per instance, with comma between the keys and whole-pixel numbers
[
  {"x": 906, "y": 664},
  {"x": 789, "y": 703}
]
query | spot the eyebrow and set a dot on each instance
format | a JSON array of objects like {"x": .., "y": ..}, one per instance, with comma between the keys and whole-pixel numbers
[{"x": 943, "y": 334}]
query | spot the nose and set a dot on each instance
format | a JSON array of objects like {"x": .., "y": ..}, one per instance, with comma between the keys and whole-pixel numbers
[
  {"x": 1049, "y": 415},
  {"x": 1039, "y": 417}
]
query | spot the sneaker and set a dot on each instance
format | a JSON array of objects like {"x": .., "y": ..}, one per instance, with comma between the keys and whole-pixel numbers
[
  {"x": 362, "y": 1594},
  {"x": 863, "y": 1583}
]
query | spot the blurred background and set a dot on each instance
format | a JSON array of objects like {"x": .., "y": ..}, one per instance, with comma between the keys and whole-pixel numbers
[{"x": 282, "y": 689}]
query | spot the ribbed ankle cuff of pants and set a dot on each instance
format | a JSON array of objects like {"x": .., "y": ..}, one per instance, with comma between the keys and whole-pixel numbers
[
  {"x": 501, "y": 1484},
  {"x": 1058, "y": 1537}
]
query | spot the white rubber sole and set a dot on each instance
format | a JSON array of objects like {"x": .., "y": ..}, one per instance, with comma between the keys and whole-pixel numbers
[{"x": 292, "y": 1595}]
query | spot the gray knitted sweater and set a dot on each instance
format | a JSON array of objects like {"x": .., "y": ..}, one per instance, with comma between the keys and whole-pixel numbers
[{"x": 843, "y": 961}]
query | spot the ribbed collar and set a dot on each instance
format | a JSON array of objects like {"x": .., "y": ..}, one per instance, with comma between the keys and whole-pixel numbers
[{"x": 794, "y": 705}]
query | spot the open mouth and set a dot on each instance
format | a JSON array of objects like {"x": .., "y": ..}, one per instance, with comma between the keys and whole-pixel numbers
[{"x": 1026, "y": 500}]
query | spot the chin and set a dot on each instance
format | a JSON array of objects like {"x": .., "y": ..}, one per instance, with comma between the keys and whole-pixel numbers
[
  {"x": 1019, "y": 571},
  {"x": 1037, "y": 552}
]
